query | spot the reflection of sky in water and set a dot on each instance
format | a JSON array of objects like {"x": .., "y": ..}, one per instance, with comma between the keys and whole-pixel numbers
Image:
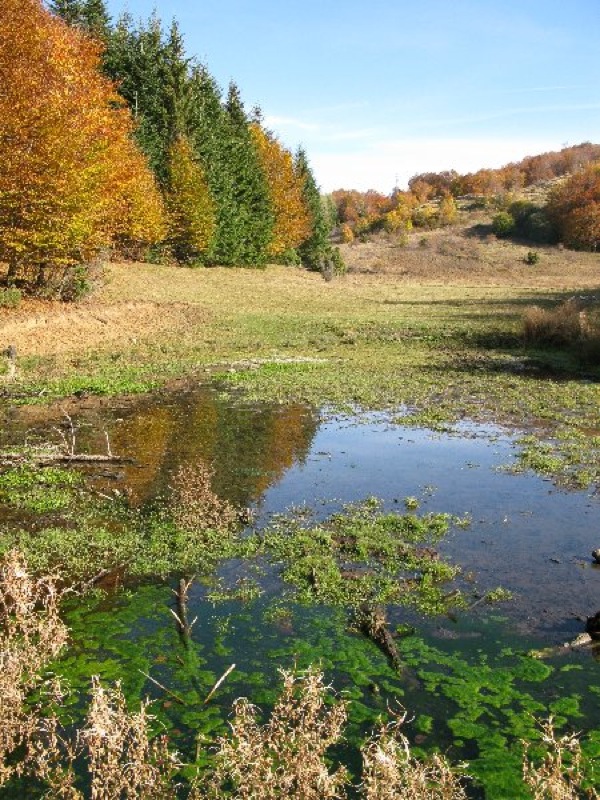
[{"x": 525, "y": 535}]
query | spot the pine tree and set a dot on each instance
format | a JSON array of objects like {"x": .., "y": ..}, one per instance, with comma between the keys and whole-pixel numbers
[
  {"x": 90, "y": 16},
  {"x": 95, "y": 19},
  {"x": 222, "y": 140},
  {"x": 315, "y": 251},
  {"x": 247, "y": 220},
  {"x": 154, "y": 77},
  {"x": 68, "y": 10}
]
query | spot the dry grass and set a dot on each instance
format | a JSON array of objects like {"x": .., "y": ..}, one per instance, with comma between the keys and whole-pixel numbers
[
  {"x": 124, "y": 762},
  {"x": 559, "y": 775},
  {"x": 194, "y": 506},
  {"x": 391, "y": 772},
  {"x": 31, "y": 635},
  {"x": 565, "y": 324},
  {"x": 285, "y": 757}
]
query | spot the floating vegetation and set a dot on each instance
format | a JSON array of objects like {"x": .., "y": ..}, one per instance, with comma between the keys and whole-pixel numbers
[{"x": 363, "y": 555}]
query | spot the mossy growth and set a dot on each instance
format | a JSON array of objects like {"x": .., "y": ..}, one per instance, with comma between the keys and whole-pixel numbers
[{"x": 363, "y": 555}]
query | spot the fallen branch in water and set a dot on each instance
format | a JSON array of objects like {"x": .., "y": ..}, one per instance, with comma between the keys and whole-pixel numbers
[
  {"x": 47, "y": 459},
  {"x": 372, "y": 621}
]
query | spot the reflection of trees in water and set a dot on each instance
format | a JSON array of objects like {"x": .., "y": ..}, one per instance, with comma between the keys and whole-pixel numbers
[{"x": 249, "y": 448}]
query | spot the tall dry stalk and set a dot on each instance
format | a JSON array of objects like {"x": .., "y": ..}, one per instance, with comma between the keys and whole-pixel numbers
[
  {"x": 564, "y": 324},
  {"x": 285, "y": 757},
  {"x": 31, "y": 636},
  {"x": 124, "y": 762},
  {"x": 391, "y": 772},
  {"x": 194, "y": 506},
  {"x": 559, "y": 776}
]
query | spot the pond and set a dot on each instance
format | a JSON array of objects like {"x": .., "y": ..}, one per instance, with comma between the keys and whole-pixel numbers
[{"x": 474, "y": 679}]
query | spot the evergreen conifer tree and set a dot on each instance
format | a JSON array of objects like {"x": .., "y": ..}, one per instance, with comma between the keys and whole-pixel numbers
[
  {"x": 69, "y": 10},
  {"x": 95, "y": 19},
  {"x": 90, "y": 16},
  {"x": 315, "y": 251}
]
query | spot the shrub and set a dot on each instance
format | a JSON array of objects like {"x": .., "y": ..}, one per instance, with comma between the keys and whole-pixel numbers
[
  {"x": 558, "y": 326},
  {"x": 290, "y": 258},
  {"x": 532, "y": 257},
  {"x": 346, "y": 233},
  {"x": 503, "y": 224},
  {"x": 10, "y": 297}
]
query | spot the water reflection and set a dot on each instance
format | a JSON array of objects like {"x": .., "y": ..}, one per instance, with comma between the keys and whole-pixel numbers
[
  {"x": 249, "y": 447},
  {"x": 526, "y": 535}
]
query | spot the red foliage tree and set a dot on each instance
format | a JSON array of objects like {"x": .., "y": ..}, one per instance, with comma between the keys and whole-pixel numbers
[{"x": 574, "y": 208}]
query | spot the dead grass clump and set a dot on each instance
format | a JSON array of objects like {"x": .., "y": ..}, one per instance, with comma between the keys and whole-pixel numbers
[
  {"x": 31, "y": 635},
  {"x": 194, "y": 506},
  {"x": 565, "y": 324},
  {"x": 390, "y": 771},
  {"x": 559, "y": 776},
  {"x": 123, "y": 760},
  {"x": 285, "y": 757}
]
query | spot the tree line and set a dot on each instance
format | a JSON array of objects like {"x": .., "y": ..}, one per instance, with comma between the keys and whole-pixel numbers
[
  {"x": 570, "y": 212},
  {"x": 112, "y": 136}
]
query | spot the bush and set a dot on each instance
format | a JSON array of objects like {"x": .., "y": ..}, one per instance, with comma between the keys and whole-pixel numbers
[
  {"x": 532, "y": 257},
  {"x": 10, "y": 297},
  {"x": 503, "y": 224},
  {"x": 561, "y": 325},
  {"x": 346, "y": 233},
  {"x": 290, "y": 258}
]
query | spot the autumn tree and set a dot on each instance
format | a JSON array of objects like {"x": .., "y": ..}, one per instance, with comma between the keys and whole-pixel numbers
[
  {"x": 574, "y": 207},
  {"x": 292, "y": 221},
  {"x": 191, "y": 211},
  {"x": 70, "y": 178}
]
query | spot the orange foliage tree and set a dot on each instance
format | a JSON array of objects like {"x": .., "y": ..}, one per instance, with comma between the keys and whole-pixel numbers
[
  {"x": 292, "y": 219},
  {"x": 71, "y": 179},
  {"x": 575, "y": 209}
]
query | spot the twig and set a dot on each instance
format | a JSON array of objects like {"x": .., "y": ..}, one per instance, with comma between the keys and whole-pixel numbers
[
  {"x": 108, "y": 448},
  {"x": 219, "y": 682},
  {"x": 164, "y": 688},
  {"x": 93, "y": 581}
]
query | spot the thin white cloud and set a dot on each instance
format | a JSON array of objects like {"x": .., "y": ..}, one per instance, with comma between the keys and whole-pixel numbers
[
  {"x": 394, "y": 161},
  {"x": 561, "y": 108}
]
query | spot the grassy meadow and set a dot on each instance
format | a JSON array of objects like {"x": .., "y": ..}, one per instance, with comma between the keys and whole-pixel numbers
[{"x": 431, "y": 330}]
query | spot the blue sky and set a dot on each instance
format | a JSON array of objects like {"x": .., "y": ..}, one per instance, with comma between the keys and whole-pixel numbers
[{"x": 378, "y": 91}]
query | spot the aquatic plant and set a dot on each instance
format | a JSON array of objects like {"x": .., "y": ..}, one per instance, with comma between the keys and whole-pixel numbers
[
  {"x": 363, "y": 555},
  {"x": 289, "y": 755}
]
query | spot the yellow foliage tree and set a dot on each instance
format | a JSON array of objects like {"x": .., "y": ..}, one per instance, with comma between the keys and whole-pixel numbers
[
  {"x": 292, "y": 218},
  {"x": 192, "y": 221},
  {"x": 71, "y": 179}
]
